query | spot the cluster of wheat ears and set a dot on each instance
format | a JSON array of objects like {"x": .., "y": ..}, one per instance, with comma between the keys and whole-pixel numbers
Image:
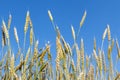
[{"x": 33, "y": 65}]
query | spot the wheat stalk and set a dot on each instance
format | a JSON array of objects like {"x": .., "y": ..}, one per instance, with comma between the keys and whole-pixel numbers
[
  {"x": 118, "y": 49},
  {"x": 94, "y": 44},
  {"x": 27, "y": 56}
]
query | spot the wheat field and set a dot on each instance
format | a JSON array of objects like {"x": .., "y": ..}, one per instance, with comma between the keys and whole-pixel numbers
[{"x": 33, "y": 65}]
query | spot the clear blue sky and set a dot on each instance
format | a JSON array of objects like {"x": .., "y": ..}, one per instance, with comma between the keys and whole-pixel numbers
[{"x": 65, "y": 12}]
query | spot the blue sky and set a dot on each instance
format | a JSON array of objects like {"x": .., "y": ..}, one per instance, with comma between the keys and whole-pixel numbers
[{"x": 65, "y": 12}]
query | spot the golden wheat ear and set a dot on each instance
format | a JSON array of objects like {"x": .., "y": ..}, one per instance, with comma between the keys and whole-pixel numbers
[
  {"x": 118, "y": 49},
  {"x": 82, "y": 21},
  {"x": 109, "y": 33},
  {"x": 3, "y": 38},
  {"x": 26, "y": 22},
  {"x": 31, "y": 36},
  {"x": 51, "y": 19},
  {"x": 50, "y": 15},
  {"x": 5, "y": 29},
  {"x": 104, "y": 34},
  {"x": 103, "y": 37},
  {"x": 83, "y": 18},
  {"x": 16, "y": 35}
]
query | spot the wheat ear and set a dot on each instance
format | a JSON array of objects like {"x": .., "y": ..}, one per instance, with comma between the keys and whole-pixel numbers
[
  {"x": 9, "y": 21},
  {"x": 82, "y": 21},
  {"x": 26, "y": 28}
]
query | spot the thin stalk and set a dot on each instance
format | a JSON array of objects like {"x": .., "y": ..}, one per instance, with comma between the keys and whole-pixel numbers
[
  {"x": 54, "y": 25},
  {"x": 24, "y": 43},
  {"x": 78, "y": 33},
  {"x": 18, "y": 45},
  {"x": 101, "y": 76}
]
